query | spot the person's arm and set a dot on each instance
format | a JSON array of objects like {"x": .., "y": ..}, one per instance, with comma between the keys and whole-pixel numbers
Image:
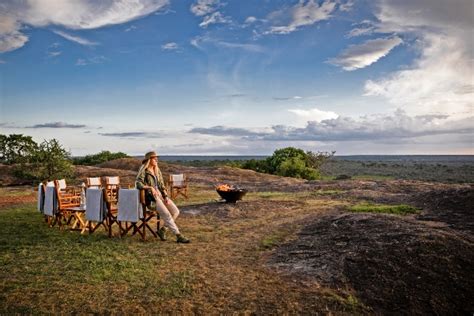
[{"x": 140, "y": 180}]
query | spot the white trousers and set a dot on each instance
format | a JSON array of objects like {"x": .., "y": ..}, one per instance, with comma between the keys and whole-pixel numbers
[{"x": 168, "y": 214}]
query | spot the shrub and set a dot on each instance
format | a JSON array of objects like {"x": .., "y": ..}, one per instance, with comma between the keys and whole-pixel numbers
[
  {"x": 50, "y": 161},
  {"x": 291, "y": 162},
  {"x": 99, "y": 158}
]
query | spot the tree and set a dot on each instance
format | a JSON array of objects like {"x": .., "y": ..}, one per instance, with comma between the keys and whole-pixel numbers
[
  {"x": 101, "y": 157},
  {"x": 317, "y": 159},
  {"x": 53, "y": 160},
  {"x": 50, "y": 161},
  {"x": 17, "y": 148},
  {"x": 281, "y": 155},
  {"x": 291, "y": 162}
]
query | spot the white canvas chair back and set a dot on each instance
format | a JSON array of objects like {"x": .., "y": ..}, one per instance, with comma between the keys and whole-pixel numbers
[
  {"x": 62, "y": 184},
  {"x": 112, "y": 180},
  {"x": 177, "y": 179},
  {"x": 129, "y": 207},
  {"x": 94, "y": 183}
]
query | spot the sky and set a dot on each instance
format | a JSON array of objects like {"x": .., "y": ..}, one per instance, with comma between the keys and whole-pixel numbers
[{"x": 239, "y": 77}]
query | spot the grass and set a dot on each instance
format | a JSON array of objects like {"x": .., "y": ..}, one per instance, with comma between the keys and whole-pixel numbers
[
  {"x": 373, "y": 177},
  {"x": 46, "y": 270},
  {"x": 401, "y": 209},
  {"x": 328, "y": 192}
]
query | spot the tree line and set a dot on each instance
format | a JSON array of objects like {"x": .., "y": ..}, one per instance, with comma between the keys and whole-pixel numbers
[
  {"x": 49, "y": 160},
  {"x": 46, "y": 160}
]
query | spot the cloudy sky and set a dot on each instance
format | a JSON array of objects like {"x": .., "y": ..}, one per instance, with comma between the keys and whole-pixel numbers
[{"x": 240, "y": 76}]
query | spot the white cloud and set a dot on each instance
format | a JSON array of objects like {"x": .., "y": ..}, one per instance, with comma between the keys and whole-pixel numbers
[
  {"x": 90, "y": 61},
  {"x": 10, "y": 36},
  {"x": 300, "y": 15},
  {"x": 250, "y": 20},
  {"x": 75, "y": 39},
  {"x": 314, "y": 114},
  {"x": 214, "y": 18},
  {"x": 377, "y": 127},
  {"x": 198, "y": 42},
  {"x": 358, "y": 31},
  {"x": 440, "y": 79},
  {"x": 363, "y": 55},
  {"x": 130, "y": 28},
  {"x": 169, "y": 46},
  {"x": 346, "y": 6},
  {"x": 249, "y": 47},
  {"x": 79, "y": 14},
  {"x": 204, "y": 7},
  {"x": 54, "y": 53}
]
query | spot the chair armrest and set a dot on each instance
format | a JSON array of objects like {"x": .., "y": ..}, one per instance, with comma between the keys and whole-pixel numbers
[{"x": 142, "y": 196}]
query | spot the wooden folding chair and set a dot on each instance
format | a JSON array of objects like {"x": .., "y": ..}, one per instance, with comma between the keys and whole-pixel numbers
[
  {"x": 95, "y": 210},
  {"x": 148, "y": 215},
  {"x": 178, "y": 184},
  {"x": 94, "y": 183},
  {"x": 68, "y": 205},
  {"x": 49, "y": 211},
  {"x": 133, "y": 215},
  {"x": 111, "y": 191}
]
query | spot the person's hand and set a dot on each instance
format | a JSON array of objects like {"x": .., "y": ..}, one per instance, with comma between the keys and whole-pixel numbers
[{"x": 155, "y": 193}]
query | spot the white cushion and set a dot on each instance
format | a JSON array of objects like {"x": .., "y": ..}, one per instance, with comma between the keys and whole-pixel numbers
[
  {"x": 178, "y": 179},
  {"x": 62, "y": 184},
  {"x": 113, "y": 180},
  {"x": 94, "y": 182}
]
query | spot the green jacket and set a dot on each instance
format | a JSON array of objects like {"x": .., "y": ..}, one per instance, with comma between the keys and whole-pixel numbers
[{"x": 146, "y": 178}]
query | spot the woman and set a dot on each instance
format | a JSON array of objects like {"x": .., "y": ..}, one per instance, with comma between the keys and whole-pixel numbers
[{"x": 149, "y": 178}]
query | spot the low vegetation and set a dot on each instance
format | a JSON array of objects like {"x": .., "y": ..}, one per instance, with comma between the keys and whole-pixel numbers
[
  {"x": 103, "y": 156},
  {"x": 401, "y": 209},
  {"x": 291, "y": 162}
]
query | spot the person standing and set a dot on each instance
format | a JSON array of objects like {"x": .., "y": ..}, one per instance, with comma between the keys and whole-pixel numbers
[{"x": 149, "y": 178}]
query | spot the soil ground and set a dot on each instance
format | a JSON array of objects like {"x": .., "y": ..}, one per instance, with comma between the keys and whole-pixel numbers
[{"x": 292, "y": 246}]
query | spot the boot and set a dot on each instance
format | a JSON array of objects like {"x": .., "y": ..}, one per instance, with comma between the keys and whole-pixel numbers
[
  {"x": 161, "y": 233},
  {"x": 181, "y": 239}
]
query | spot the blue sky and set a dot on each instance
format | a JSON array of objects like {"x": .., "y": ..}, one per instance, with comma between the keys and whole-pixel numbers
[{"x": 239, "y": 77}]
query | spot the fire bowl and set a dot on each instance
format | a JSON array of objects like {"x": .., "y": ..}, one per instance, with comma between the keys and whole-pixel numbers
[{"x": 233, "y": 195}]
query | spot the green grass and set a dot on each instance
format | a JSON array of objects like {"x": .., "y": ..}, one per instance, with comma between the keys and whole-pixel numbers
[
  {"x": 401, "y": 209},
  {"x": 328, "y": 192},
  {"x": 37, "y": 259}
]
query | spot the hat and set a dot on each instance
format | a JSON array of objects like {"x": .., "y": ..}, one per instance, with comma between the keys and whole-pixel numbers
[{"x": 149, "y": 155}]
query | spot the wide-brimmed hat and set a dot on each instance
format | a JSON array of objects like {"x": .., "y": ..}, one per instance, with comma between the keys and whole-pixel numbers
[{"x": 149, "y": 155}]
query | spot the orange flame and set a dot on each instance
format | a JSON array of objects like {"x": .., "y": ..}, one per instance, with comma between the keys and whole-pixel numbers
[{"x": 224, "y": 187}]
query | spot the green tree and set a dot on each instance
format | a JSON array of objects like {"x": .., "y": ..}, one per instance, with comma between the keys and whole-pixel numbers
[
  {"x": 317, "y": 159},
  {"x": 281, "y": 155},
  {"x": 291, "y": 162},
  {"x": 17, "y": 148},
  {"x": 50, "y": 161},
  {"x": 103, "y": 156}
]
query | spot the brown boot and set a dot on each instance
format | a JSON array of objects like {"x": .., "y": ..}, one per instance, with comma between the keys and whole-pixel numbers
[{"x": 181, "y": 239}]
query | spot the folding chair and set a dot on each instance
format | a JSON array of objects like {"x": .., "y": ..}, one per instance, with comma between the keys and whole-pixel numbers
[
  {"x": 178, "y": 184},
  {"x": 133, "y": 215},
  {"x": 148, "y": 215},
  {"x": 49, "y": 202},
  {"x": 95, "y": 183},
  {"x": 110, "y": 191},
  {"x": 68, "y": 205},
  {"x": 95, "y": 210}
]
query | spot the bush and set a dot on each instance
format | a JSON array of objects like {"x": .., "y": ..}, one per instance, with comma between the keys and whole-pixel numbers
[
  {"x": 50, "y": 161},
  {"x": 103, "y": 156},
  {"x": 291, "y": 162}
]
